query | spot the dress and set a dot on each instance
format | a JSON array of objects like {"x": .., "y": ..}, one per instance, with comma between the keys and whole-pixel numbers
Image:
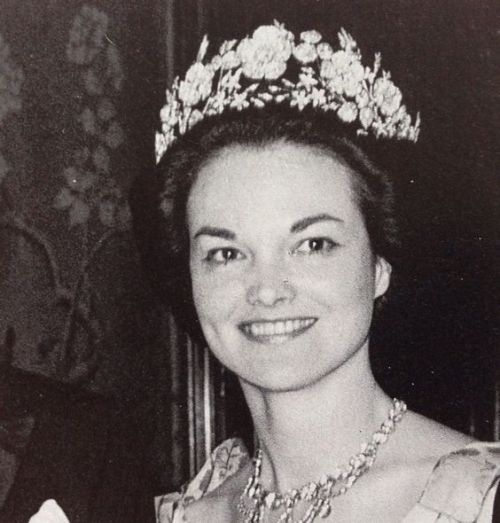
[{"x": 461, "y": 488}]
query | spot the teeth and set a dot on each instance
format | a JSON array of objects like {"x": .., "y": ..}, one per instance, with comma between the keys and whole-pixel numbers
[{"x": 273, "y": 328}]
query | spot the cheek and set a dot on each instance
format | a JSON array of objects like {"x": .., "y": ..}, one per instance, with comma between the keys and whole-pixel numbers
[
  {"x": 360, "y": 280},
  {"x": 346, "y": 279},
  {"x": 215, "y": 298},
  {"x": 216, "y": 304}
]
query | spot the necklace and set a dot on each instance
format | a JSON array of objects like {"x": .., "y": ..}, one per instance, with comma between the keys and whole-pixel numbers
[{"x": 319, "y": 494}]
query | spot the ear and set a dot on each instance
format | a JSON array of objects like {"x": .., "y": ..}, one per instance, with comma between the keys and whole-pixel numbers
[{"x": 383, "y": 270}]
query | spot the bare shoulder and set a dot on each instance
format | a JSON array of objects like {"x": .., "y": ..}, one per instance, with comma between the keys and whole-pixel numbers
[
  {"x": 431, "y": 439},
  {"x": 420, "y": 442},
  {"x": 417, "y": 446},
  {"x": 406, "y": 464},
  {"x": 219, "y": 505}
]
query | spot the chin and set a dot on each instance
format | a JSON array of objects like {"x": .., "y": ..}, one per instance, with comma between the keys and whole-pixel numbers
[
  {"x": 286, "y": 378},
  {"x": 282, "y": 385},
  {"x": 283, "y": 367}
]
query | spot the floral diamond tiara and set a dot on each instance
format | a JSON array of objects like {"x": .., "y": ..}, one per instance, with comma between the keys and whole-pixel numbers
[{"x": 251, "y": 73}]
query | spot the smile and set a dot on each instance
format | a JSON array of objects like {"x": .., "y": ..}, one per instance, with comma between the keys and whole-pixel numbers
[{"x": 277, "y": 331}]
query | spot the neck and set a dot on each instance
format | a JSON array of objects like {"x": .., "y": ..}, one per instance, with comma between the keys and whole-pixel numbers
[{"x": 307, "y": 433}]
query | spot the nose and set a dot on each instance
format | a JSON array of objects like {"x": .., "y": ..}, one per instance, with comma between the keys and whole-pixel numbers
[{"x": 270, "y": 288}]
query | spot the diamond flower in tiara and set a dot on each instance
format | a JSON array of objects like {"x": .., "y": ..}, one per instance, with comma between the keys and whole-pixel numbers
[
  {"x": 266, "y": 53},
  {"x": 252, "y": 73}
]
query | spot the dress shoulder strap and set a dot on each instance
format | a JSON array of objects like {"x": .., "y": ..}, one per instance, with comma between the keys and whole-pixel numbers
[
  {"x": 461, "y": 481},
  {"x": 224, "y": 462}
]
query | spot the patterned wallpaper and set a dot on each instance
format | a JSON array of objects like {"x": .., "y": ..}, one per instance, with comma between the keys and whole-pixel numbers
[
  {"x": 78, "y": 83},
  {"x": 83, "y": 207}
]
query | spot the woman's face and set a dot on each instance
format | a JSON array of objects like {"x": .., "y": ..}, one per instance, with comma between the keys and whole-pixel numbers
[{"x": 283, "y": 275}]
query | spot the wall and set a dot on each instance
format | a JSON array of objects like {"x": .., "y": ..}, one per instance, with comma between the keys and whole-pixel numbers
[{"x": 80, "y": 88}]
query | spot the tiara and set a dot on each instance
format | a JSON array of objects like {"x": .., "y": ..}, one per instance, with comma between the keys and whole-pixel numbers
[{"x": 251, "y": 73}]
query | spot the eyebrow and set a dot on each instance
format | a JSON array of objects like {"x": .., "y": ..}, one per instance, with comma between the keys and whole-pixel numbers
[
  {"x": 218, "y": 232},
  {"x": 304, "y": 223}
]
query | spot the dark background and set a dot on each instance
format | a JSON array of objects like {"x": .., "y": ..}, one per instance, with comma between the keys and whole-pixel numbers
[{"x": 436, "y": 344}]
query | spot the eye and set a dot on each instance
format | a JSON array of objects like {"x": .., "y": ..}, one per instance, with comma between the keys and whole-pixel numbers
[
  {"x": 315, "y": 246},
  {"x": 223, "y": 255}
]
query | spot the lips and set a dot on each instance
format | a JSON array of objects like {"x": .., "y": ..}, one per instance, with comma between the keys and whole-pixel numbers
[{"x": 276, "y": 331}]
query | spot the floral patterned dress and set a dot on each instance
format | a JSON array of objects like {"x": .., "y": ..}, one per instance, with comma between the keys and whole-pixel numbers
[{"x": 461, "y": 488}]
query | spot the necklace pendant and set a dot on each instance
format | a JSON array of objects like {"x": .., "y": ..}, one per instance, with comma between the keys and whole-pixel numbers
[
  {"x": 255, "y": 516},
  {"x": 325, "y": 509},
  {"x": 270, "y": 500}
]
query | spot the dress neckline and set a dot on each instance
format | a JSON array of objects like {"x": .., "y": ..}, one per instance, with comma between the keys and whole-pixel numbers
[{"x": 457, "y": 486}]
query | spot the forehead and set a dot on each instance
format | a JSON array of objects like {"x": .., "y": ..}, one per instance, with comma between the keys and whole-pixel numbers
[{"x": 280, "y": 181}]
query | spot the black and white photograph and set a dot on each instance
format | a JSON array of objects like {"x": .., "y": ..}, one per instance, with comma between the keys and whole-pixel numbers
[{"x": 249, "y": 261}]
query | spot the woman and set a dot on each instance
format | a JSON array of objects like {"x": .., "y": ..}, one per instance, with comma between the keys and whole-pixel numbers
[
  {"x": 276, "y": 236},
  {"x": 269, "y": 197}
]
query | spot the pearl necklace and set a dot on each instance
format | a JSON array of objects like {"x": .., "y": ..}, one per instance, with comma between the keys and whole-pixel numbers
[{"x": 320, "y": 494}]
